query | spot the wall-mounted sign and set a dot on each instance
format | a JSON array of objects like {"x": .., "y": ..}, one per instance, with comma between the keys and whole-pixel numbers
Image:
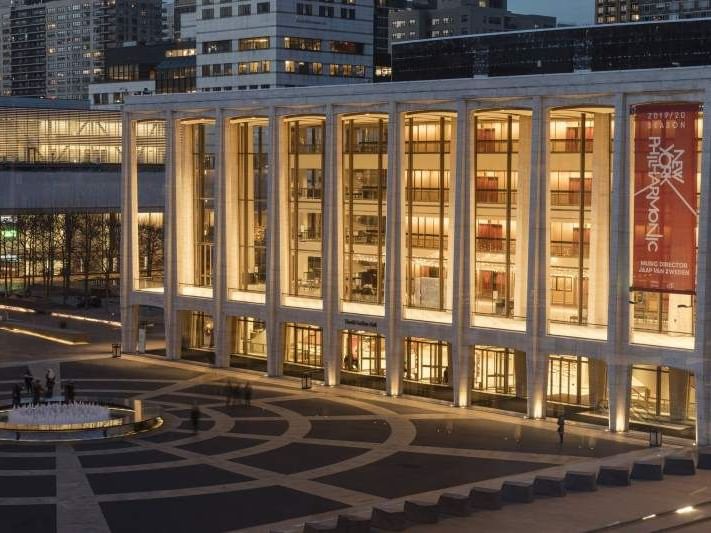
[
  {"x": 665, "y": 210},
  {"x": 361, "y": 323}
]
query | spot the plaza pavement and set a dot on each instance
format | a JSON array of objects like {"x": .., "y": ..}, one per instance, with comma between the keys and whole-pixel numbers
[{"x": 292, "y": 456}]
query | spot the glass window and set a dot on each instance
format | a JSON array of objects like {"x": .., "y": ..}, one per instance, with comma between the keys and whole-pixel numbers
[
  {"x": 305, "y": 206},
  {"x": 304, "y": 344},
  {"x": 364, "y": 193}
]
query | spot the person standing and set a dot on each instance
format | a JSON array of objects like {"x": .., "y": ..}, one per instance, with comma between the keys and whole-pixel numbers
[
  {"x": 248, "y": 394},
  {"x": 28, "y": 380},
  {"x": 195, "y": 417},
  {"x": 50, "y": 379},
  {"x": 16, "y": 395},
  {"x": 561, "y": 428},
  {"x": 229, "y": 393},
  {"x": 36, "y": 392}
]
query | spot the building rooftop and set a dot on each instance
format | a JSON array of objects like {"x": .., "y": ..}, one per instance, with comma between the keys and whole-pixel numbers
[{"x": 42, "y": 103}]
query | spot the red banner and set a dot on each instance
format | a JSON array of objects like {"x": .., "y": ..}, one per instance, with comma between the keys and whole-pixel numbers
[{"x": 665, "y": 210}]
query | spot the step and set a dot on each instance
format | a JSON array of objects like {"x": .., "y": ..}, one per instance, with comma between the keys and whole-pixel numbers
[
  {"x": 614, "y": 476},
  {"x": 352, "y": 523},
  {"x": 549, "y": 486},
  {"x": 326, "y": 525},
  {"x": 455, "y": 504},
  {"x": 517, "y": 491},
  {"x": 648, "y": 470},
  {"x": 679, "y": 465},
  {"x": 485, "y": 498},
  {"x": 389, "y": 518},
  {"x": 581, "y": 481},
  {"x": 421, "y": 512}
]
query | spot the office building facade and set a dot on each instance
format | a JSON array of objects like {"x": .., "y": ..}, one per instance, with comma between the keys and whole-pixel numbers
[
  {"x": 460, "y": 17},
  {"x": 55, "y": 48},
  {"x": 615, "y": 11},
  {"x": 258, "y": 45},
  {"x": 485, "y": 242}
]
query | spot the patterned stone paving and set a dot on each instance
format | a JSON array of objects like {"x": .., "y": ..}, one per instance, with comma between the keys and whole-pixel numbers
[{"x": 290, "y": 455}]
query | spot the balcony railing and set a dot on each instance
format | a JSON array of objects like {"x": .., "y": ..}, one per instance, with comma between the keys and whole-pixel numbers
[
  {"x": 569, "y": 249},
  {"x": 494, "y": 245},
  {"x": 570, "y": 146},
  {"x": 495, "y": 147},
  {"x": 568, "y": 198},
  {"x": 427, "y": 194},
  {"x": 495, "y": 196}
]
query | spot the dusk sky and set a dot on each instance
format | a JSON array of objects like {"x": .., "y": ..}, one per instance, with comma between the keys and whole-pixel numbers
[{"x": 567, "y": 11}]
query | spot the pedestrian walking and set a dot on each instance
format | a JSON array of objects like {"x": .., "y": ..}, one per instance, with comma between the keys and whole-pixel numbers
[
  {"x": 16, "y": 395},
  {"x": 69, "y": 392},
  {"x": 561, "y": 428},
  {"x": 237, "y": 391},
  {"x": 195, "y": 417},
  {"x": 229, "y": 393},
  {"x": 36, "y": 392},
  {"x": 50, "y": 379},
  {"x": 248, "y": 394},
  {"x": 28, "y": 380}
]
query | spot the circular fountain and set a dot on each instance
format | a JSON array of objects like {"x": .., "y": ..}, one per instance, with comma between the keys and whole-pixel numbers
[{"x": 85, "y": 419}]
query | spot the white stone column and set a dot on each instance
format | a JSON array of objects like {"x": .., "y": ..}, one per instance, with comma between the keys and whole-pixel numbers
[
  {"x": 221, "y": 323},
  {"x": 129, "y": 235},
  {"x": 330, "y": 253},
  {"x": 522, "y": 217},
  {"x": 536, "y": 357},
  {"x": 600, "y": 218},
  {"x": 619, "y": 373},
  {"x": 700, "y": 362},
  {"x": 619, "y": 383},
  {"x": 461, "y": 268},
  {"x": 172, "y": 316},
  {"x": 394, "y": 343},
  {"x": 275, "y": 331}
]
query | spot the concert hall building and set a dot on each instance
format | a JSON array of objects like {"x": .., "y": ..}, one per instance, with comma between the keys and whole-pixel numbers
[{"x": 531, "y": 243}]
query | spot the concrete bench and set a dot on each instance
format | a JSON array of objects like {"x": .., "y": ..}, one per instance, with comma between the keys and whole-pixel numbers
[
  {"x": 455, "y": 504},
  {"x": 351, "y": 523},
  {"x": 388, "y": 519},
  {"x": 549, "y": 486},
  {"x": 319, "y": 527},
  {"x": 704, "y": 459},
  {"x": 614, "y": 476},
  {"x": 647, "y": 470},
  {"x": 581, "y": 481},
  {"x": 422, "y": 512},
  {"x": 679, "y": 465},
  {"x": 484, "y": 498},
  {"x": 517, "y": 491}
]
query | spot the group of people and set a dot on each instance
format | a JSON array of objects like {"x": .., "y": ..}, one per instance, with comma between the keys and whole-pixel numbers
[
  {"x": 234, "y": 395},
  {"x": 37, "y": 391},
  {"x": 238, "y": 394}
]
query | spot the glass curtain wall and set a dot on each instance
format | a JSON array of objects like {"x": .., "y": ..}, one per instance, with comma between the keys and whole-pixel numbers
[
  {"x": 428, "y": 164},
  {"x": 304, "y": 345},
  {"x": 577, "y": 380},
  {"x": 202, "y": 145},
  {"x": 579, "y": 213},
  {"x": 502, "y": 166},
  {"x": 662, "y": 393},
  {"x": 199, "y": 334},
  {"x": 499, "y": 370},
  {"x": 249, "y": 343},
  {"x": 252, "y": 140},
  {"x": 427, "y": 361},
  {"x": 363, "y": 352},
  {"x": 306, "y": 164},
  {"x": 364, "y": 195}
]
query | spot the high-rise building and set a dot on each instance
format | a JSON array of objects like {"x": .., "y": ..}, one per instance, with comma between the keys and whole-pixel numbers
[
  {"x": 256, "y": 46},
  {"x": 612, "y": 11},
  {"x": 55, "y": 48},
  {"x": 445, "y": 18}
]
